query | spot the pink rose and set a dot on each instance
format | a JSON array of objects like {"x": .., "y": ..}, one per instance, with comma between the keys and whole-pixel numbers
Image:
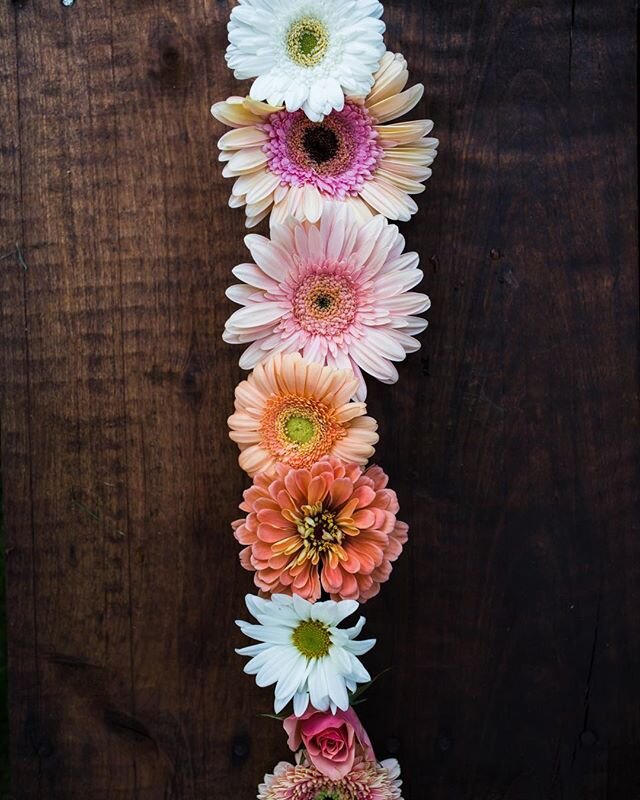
[{"x": 331, "y": 740}]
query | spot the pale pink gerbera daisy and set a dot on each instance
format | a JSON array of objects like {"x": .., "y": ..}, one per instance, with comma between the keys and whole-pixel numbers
[
  {"x": 332, "y": 527},
  {"x": 336, "y": 291},
  {"x": 293, "y": 411},
  {"x": 367, "y": 780},
  {"x": 285, "y": 164}
]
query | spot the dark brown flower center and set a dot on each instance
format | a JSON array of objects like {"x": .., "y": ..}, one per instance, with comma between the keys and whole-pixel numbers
[
  {"x": 320, "y": 143},
  {"x": 323, "y": 302}
]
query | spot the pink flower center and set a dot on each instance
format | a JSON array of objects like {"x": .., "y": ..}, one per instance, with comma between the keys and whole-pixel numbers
[
  {"x": 332, "y": 742},
  {"x": 337, "y": 156},
  {"x": 325, "y": 304}
]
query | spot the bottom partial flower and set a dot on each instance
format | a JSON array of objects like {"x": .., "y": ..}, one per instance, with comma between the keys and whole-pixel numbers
[{"x": 366, "y": 781}]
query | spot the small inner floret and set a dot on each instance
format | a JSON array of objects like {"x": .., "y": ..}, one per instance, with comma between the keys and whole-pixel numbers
[
  {"x": 312, "y": 639},
  {"x": 307, "y": 42}
]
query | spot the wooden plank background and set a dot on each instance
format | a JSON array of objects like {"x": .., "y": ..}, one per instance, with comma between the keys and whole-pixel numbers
[{"x": 512, "y": 621}]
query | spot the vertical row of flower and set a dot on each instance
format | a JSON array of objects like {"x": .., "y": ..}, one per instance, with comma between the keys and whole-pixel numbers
[{"x": 326, "y": 302}]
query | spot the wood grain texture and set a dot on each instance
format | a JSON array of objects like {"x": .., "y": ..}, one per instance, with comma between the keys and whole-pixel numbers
[{"x": 512, "y": 621}]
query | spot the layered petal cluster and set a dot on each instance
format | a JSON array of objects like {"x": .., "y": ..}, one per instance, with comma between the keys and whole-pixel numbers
[
  {"x": 331, "y": 527},
  {"x": 284, "y": 164},
  {"x": 303, "y": 651},
  {"x": 296, "y": 412},
  {"x": 319, "y": 148},
  {"x": 332, "y": 742},
  {"x": 306, "y": 55},
  {"x": 338, "y": 292},
  {"x": 367, "y": 780}
]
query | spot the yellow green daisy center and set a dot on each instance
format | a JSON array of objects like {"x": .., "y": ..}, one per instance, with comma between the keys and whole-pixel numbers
[
  {"x": 307, "y": 42},
  {"x": 312, "y": 638},
  {"x": 299, "y": 430}
]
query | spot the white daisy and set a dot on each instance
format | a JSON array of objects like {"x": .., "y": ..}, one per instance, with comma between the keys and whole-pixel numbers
[
  {"x": 306, "y": 55},
  {"x": 303, "y": 651}
]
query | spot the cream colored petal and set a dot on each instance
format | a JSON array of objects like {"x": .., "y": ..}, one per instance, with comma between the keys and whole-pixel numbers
[
  {"x": 280, "y": 213},
  {"x": 281, "y": 192},
  {"x": 259, "y": 108},
  {"x": 405, "y": 184},
  {"x": 387, "y": 199},
  {"x": 236, "y": 201},
  {"x": 390, "y": 79},
  {"x": 234, "y": 113},
  {"x": 245, "y": 183},
  {"x": 263, "y": 188},
  {"x": 246, "y": 161},
  {"x": 360, "y": 209},
  {"x": 252, "y": 221},
  {"x": 403, "y": 132},
  {"x": 254, "y": 209},
  {"x": 398, "y": 105},
  {"x": 312, "y": 203},
  {"x": 242, "y": 137},
  {"x": 415, "y": 172},
  {"x": 410, "y": 155},
  {"x": 295, "y": 202}
]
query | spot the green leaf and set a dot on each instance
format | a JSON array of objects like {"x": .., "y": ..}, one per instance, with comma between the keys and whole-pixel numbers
[{"x": 355, "y": 697}]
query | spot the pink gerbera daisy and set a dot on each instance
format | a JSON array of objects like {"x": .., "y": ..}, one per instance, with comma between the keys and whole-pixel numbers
[
  {"x": 338, "y": 292},
  {"x": 285, "y": 164},
  {"x": 331, "y": 527},
  {"x": 302, "y": 781},
  {"x": 293, "y": 411}
]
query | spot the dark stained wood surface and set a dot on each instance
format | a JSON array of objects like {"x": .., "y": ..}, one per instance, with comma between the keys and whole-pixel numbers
[{"x": 512, "y": 621}]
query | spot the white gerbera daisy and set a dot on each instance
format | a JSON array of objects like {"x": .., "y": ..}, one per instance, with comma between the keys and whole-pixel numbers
[
  {"x": 306, "y": 55},
  {"x": 303, "y": 651}
]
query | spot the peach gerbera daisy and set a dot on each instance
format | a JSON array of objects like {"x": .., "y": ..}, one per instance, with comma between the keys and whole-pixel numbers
[
  {"x": 287, "y": 165},
  {"x": 332, "y": 527},
  {"x": 337, "y": 292},
  {"x": 293, "y": 411}
]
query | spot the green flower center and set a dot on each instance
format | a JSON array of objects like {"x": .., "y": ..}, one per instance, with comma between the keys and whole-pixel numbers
[
  {"x": 325, "y": 795},
  {"x": 299, "y": 430},
  {"x": 307, "y": 42},
  {"x": 312, "y": 639}
]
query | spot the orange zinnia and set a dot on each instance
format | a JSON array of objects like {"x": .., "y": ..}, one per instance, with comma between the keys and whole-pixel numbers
[
  {"x": 293, "y": 411},
  {"x": 332, "y": 527}
]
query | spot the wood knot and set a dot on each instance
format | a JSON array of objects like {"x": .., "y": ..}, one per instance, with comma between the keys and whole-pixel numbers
[
  {"x": 240, "y": 749},
  {"x": 169, "y": 67},
  {"x": 170, "y": 58},
  {"x": 191, "y": 383},
  {"x": 191, "y": 380}
]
